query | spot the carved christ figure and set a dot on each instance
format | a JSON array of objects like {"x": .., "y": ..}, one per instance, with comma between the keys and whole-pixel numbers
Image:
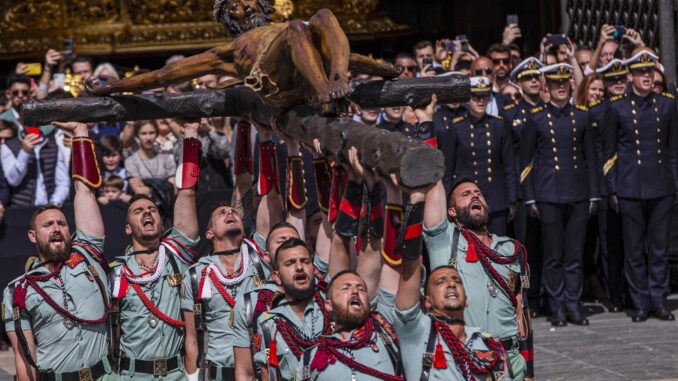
[{"x": 287, "y": 64}]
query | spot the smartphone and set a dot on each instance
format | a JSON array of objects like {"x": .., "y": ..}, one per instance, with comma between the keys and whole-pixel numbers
[
  {"x": 619, "y": 30},
  {"x": 463, "y": 42},
  {"x": 511, "y": 20},
  {"x": 449, "y": 46},
  {"x": 33, "y": 131},
  {"x": 68, "y": 50},
  {"x": 59, "y": 80},
  {"x": 34, "y": 68},
  {"x": 427, "y": 61},
  {"x": 556, "y": 40}
]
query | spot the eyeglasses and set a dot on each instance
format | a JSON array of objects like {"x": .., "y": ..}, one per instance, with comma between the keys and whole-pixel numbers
[
  {"x": 487, "y": 70},
  {"x": 412, "y": 68},
  {"x": 23, "y": 92},
  {"x": 505, "y": 61}
]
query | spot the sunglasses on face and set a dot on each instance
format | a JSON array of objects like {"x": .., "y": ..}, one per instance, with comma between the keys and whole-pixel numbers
[
  {"x": 486, "y": 70},
  {"x": 505, "y": 61},
  {"x": 658, "y": 84},
  {"x": 23, "y": 92},
  {"x": 616, "y": 79},
  {"x": 529, "y": 77},
  {"x": 412, "y": 68},
  {"x": 641, "y": 71}
]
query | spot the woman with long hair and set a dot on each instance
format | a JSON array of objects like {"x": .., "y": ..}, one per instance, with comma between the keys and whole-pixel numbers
[{"x": 592, "y": 89}]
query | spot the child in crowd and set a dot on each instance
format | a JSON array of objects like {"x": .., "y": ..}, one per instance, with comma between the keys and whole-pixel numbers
[
  {"x": 111, "y": 152},
  {"x": 112, "y": 189}
]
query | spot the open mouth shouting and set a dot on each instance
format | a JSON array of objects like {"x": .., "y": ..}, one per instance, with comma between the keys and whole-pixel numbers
[
  {"x": 57, "y": 240},
  {"x": 148, "y": 223},
  {"x": 355, "y": 303},
  {"x": 476, "y": 206},
  {"x": 301, "y": 280}
]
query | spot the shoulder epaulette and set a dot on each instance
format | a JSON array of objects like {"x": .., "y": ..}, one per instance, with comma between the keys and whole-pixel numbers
[
  {"x": 113, "y": 264},
  {"x": 536, "y": 109},
  {"x": 669, "y": 95},
  {"x": 499, "y": 117},
  {"x": 580, "y": 107},
  {"x": 594, "y": 103},
  {"x": 194, "y": 265},
  {"x": 16, "y": 279},
  {"x": 29, "y": 263},
  {"x": 509, "y": 106},
  {"x": 616, "y": 97},
  {"x": 458, "y": 119},
  {"x": 486, "y": 334}
]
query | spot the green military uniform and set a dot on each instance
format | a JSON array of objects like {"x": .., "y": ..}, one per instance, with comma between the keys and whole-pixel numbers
[
  {"x": 245, "y": 314},
  {"x": 144, "y": 336},
  {"x": 218, "y": 314},
  {"x": 311, "y": 328},
  {"x": 489, "y": 308},
  {"x": 379, "y": 359},
  {"x": 414, "y": 329},
  {"x": 61, "y": 349}
]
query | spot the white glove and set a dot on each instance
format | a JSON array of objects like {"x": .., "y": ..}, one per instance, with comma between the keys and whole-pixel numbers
[{"x": 193, "y": 376}]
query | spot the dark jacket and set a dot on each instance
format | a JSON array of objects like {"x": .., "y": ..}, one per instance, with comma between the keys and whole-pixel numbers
[
  {"x": 24, "y": 194},
  {"x": 641, "y": 146},
  {"x": 557, "y": 156}
]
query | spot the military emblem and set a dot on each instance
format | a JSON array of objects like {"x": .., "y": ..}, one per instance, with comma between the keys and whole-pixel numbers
[
  {"x": 257, "y": 281},
  {"x": 74, "y": 260},
  {"x": 68, "y": 323},
  {"x": 492, "y": 289},
  {"x": 256, "y": 342},
  {"x": 484, "y": 355},
  {"x": 532, "y": 65},
  {"x": 174, "y": 279},
  {"x": 152, "y": 320},
  {"x": 511, "y": 281}
]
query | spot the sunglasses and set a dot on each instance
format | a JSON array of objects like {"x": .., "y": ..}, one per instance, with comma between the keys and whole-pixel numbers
[
  {"x": 530, "y": 77},
  {"x": 23, "y": 92},
  {"x": 641, "y": 71},
  {"x": 486, "y": 70},
  {"x": 505, "y": 61},
  {"x": 658, "y": 84},
  {"x": 412, "y": 68},
  {"x": 620, "y": 78}
]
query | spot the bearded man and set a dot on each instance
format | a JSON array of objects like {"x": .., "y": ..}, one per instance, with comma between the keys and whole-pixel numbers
[
  {"x": 492, "y": 267},
  {"x": 147, "y": 283},
  {"x": 283, "y": 62},
  {"x": 56, "y": 314}
]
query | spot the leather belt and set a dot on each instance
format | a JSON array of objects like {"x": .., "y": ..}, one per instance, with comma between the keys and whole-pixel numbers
[
  {"x": 156, "y": 367},
  {"x": 227, "y": 373},
  {"x": 507, "y": 343},
  {"x": 83, "y": 374}
]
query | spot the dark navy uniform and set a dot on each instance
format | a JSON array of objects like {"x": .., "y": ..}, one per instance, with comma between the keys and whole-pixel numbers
[
  {"x": 482, "y": 151},
  {"x": 402, "y": 127},
  {"x": 641, "y": 169},
  {"x": 558, "y": 172},
  {"x": 442, "y": 122},
  {"x": 608, "y": 221}
]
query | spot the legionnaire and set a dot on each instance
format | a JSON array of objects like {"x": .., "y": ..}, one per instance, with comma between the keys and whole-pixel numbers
[
  {"x": 450, "y": 349},
  {"x": 492, "y": 266},
  {"x": 56, "y": 314},
  {"x": 480, "y": 148},
  {"x": 299, "y": 320},
  {"x": 615, "y": 75},
  {"x": 525, "y": 228},
  {"x": 148, "y": 279},
  {"x": 641, "y": 173},
  {"x": 559, "y": 184}
]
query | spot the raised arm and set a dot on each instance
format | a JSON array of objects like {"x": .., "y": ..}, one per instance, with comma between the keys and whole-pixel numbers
[
  {"x": 390, "y": 271},
  {"x": 296, "y": 191},
  {"x": 212, "y": 61},
  {"x": 408, "y": 294},
  {"x": 87, "y": 179},
  {"x": 270, "y": 209},
  {"x": 185, "y": 213}
]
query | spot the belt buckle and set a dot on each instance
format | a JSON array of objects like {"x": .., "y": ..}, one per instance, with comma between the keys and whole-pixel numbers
[
  {"x": 160, "y": 367},
  {"x": 85, "y": 374},
  {"x": 427, "y": 360}
]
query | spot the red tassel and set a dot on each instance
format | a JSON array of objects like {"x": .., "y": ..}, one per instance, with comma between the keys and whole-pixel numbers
[
  {"x": 471, "y": 255},
  {"x": 439, "y": 358},
  {"x": 20, "y": 295},
  {"x": 272, "y": 353}
]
